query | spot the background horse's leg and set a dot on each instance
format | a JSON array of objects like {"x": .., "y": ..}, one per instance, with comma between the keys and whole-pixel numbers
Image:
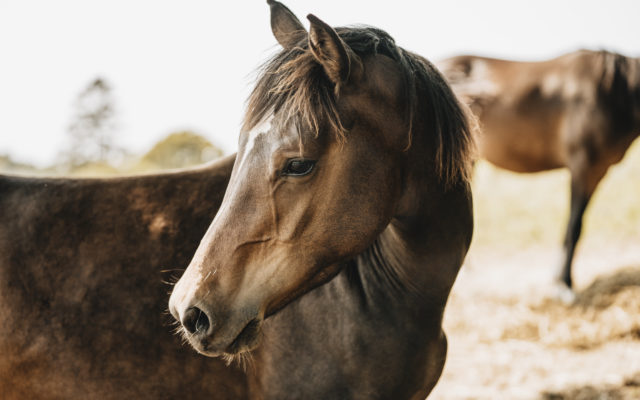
[
  {"x": 585, "y": 176},
  {"x": 579, "y": 200}
]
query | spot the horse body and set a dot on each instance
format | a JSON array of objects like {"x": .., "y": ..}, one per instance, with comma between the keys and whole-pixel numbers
[
  {"x": 81, "y": 294},
  {"x": 580, "y": 111},
  {"x": 347, "y": 216}
]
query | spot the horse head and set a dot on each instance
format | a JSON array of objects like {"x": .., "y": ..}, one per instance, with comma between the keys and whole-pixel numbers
[{"x": 321, "y": 171}]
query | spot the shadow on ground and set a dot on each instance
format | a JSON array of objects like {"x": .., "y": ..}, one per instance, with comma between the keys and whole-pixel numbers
[
  {"x": 608, "y": 309},
  {"x": 629, "y": 390},
  {"x": 604, "y": 291}
]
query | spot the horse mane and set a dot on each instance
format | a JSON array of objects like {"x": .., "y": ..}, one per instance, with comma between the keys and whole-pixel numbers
[{"x": 294, "y": 83}]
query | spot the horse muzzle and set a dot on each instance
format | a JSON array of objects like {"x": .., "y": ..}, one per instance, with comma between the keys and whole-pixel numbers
[{"x": 213, "y": 335}]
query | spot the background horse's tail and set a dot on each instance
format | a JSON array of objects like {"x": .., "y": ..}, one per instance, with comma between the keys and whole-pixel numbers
[{"x": 619, "y": 87}]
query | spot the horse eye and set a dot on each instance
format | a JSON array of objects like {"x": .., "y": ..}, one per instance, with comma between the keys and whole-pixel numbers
[{"x": 298, "y": 167}]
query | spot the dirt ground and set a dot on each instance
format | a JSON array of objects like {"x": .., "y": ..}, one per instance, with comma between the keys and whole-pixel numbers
[
  {"x": 509, "y": 336},
  {"x": 510, "y": 339}
]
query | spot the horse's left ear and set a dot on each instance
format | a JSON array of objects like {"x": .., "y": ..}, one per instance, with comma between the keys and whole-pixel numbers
[
  {"x": 286, "y": 27},
  {"x": 336, "y": 57}
]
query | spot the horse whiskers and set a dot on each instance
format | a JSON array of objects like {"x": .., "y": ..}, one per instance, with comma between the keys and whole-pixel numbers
[
  {"x": 174, "y": 323},
  {"x": 183, "y": 334},
  {"x": 244, "y": 359},
  {"x": 171, "y": 281},
  {"x": 179, "y": 330}
]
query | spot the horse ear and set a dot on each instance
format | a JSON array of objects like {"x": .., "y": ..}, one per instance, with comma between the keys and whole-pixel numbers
[
  {"x": 286, "y": 27},
  {"x": 339, "y": 61}
]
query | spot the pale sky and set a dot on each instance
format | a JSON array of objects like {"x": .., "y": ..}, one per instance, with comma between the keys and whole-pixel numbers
[{"x": 188, "y": 64}]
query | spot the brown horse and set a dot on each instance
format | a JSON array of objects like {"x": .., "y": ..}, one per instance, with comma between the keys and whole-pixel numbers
[
  {"x": 347, "y": 216},
  {"x": 81, "y": 291},
  {"x": 580, "y": 111}
]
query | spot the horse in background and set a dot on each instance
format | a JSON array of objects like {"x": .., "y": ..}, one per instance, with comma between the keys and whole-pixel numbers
[
  {"x": 579, "y": 111},
  {"x": 82, "y": 298},
  {"x": 347, "y": 217}
]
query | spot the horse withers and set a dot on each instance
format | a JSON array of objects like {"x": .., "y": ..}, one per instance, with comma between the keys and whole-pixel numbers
[
  {"x": 580, "y": 111},
  {"x": 347, "y": 216},
  {"x": 82, "y": 298}
]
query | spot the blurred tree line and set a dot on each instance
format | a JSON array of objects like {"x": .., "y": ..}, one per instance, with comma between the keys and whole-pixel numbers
[
  {"x": 91, "y": 134},
  {"x": 91, "y": 147}
]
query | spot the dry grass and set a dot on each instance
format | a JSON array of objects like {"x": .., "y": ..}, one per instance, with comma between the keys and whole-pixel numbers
[
  {"x": 609, "y": 309},
  {"x": 519, "y": 210},
  {"x": 509, "y": 339},
  {"x": 508, "y": 336}
]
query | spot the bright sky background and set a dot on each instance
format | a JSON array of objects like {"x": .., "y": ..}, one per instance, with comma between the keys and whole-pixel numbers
[{"x": 188, "y": 64}]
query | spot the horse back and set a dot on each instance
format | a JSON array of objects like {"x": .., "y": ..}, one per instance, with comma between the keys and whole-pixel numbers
[
  {"x": 82, "y": 297},
  {"x": 532, "y": 114}
]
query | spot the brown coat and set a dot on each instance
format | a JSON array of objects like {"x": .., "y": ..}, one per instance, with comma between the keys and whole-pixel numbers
[{"x": 82, "y": 298}]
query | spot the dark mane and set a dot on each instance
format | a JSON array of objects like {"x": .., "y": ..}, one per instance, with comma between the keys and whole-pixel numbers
[{"x": 294, "y": 83}]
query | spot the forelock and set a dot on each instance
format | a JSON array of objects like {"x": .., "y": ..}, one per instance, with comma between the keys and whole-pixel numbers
[{"x": 293, "y": 85}]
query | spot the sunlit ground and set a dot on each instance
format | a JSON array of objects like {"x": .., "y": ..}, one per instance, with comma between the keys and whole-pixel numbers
[{"x": 508, "y": 336}]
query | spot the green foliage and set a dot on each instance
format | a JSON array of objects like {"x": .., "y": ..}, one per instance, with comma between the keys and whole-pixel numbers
[
  {"x": 179, "y": 150},
  {"x": 7, "y": 165}
]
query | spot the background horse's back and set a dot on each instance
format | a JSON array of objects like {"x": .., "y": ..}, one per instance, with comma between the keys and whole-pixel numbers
[{"x": 82, "y": 298}]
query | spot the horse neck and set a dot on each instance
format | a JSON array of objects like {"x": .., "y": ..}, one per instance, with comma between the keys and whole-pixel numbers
[{"x": 416, "y": 258}]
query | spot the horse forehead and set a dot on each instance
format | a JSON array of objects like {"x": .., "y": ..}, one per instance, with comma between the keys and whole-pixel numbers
[
  {"x": 253, "y": 145},
  {"x": 384, "y": 78},
  {"x": 265, "y": 138},
  {"x": 252, "y": 136}
]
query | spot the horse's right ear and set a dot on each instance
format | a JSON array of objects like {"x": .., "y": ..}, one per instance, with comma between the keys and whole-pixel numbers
[{"x": 287, "y": 29}]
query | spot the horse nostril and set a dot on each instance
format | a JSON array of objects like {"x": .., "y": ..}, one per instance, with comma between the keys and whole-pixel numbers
[{"x": 195, "y": 320}]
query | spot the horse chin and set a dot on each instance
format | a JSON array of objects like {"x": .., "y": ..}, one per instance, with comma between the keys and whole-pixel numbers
[{"x": 246, "y": 340}]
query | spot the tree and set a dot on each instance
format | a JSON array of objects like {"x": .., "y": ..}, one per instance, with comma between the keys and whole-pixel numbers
[
  {"x": 178, "y": 150},
  {"x": 91, "y": 132}
]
